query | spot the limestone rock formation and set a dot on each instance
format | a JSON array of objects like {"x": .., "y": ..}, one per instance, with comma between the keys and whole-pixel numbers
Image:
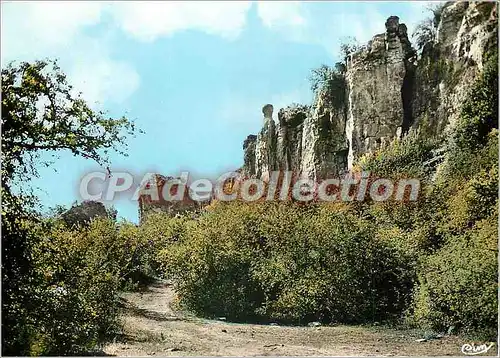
[
  {"x": 265, "y": 147},
  {"x": 379, "y": 90},
  {"x": 290, "y": 128},
  {"x": 448, "y": 67},
  {"x": 308, "y": 141},
  {"x": 389, "y": 89},
  {"x": 324, "y": 145},
  {"x": 249, "y": 158},
  {"x": 160, "y": 202}
]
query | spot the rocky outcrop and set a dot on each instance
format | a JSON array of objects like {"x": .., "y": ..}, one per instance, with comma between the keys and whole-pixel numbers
[
  {"x": 324, "y": 144},
  {"x": 448, "y": 66},
  {"x": 82, "y": 214},
  {"x": 290, "y": 130},
  {"x": 379, "y": 80},
  {"x": 249, "y": 158},
  {"x": 265, "y": 146},
  {"x": 308, "y": 141},
  {"x": 388, "y": 90},
  {"x": 154, "y": 197}
]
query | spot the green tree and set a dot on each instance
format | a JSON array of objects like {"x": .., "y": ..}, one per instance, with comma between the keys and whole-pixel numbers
[
  {"x": 41, "y": 112},
  {"x": 348, "y": 46},
  {"x": 426, "y": 31},
  {"x": 331, "y": 82}
]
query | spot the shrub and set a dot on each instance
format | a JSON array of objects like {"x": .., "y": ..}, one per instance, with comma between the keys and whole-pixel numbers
[
  {"x": 78, "y": 288},
  {"x": 19, "y": 301},
  {"x": 458, "y": 284},
  {"x": 472, "y": 201},
  {"x": 332, "y": 269},
  {"x": 284, "y": 262},
  {"x": 74, "y": 282},
  {"x": 135, "y": 255},
  {"x": 330, "y": 81},
  {"x": 211, "y": 262},
  {"x": 402, "y": 158}
]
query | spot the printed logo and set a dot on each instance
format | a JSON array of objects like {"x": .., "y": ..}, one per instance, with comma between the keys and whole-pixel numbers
[{"x": 471, "y": 349}]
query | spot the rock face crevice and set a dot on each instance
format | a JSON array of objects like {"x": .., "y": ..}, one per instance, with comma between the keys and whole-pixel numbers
[
  {"x": 249, "y": 158},
  {"x": 290, "y": 130},
  {"x": 407, "y": 96},
  {"x": 388, "y": 91}
]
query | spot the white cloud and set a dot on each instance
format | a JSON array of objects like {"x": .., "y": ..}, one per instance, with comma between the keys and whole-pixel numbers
[
  {"x": 101, "y": 78},
  {"x": 32, "y": 28},
  {"x": 309, "y": 22},
  {"x": 277, "y": 14},
  {"x": 297, "y": 22},
  {"x": 289, "y": 19},
  {"x": 37, "y": 30},
  {"x": 149, "y": 20}
]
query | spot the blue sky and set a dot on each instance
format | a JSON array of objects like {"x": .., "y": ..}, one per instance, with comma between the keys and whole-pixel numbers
[{"x": 193, "y": 76}]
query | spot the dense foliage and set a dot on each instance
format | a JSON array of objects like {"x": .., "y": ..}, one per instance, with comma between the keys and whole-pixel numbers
[
  {"x": 78, "y": 282},
  {"x": 58, "y": 284},
  {"x": 458, "y": 283},
  {"x": 330, "y": 83},
  {"x": 287, "y": 263}
]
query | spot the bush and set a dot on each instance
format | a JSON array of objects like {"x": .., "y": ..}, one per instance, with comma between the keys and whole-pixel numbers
[
  {"x": 333, "y": 269},
  {"x": 63, "y": 298},
  {"x": 283, "y": 262},
  {"x": 78, "y": 287},
  {"x": 458, "y": 285},
  {"x": 135, "y": 255},
  {"x": 19, "y": 301},
  {"x": 402, "y": 158},
  {"x": 74, "y": 282},
  {"x": 211, "y": 262}
]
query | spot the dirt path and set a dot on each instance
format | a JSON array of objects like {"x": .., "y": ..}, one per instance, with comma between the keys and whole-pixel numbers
[{"x": 153, "y": 328}]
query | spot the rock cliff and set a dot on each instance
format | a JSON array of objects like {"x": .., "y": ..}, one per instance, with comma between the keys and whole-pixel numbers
[
  {"x": 379, "y": 79},
  {"x": 388, "y": 89},
  {"x": 448, "y": 66}
]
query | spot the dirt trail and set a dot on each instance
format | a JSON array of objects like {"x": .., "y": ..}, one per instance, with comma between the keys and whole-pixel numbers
[{"x": 151, "y": 327}]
